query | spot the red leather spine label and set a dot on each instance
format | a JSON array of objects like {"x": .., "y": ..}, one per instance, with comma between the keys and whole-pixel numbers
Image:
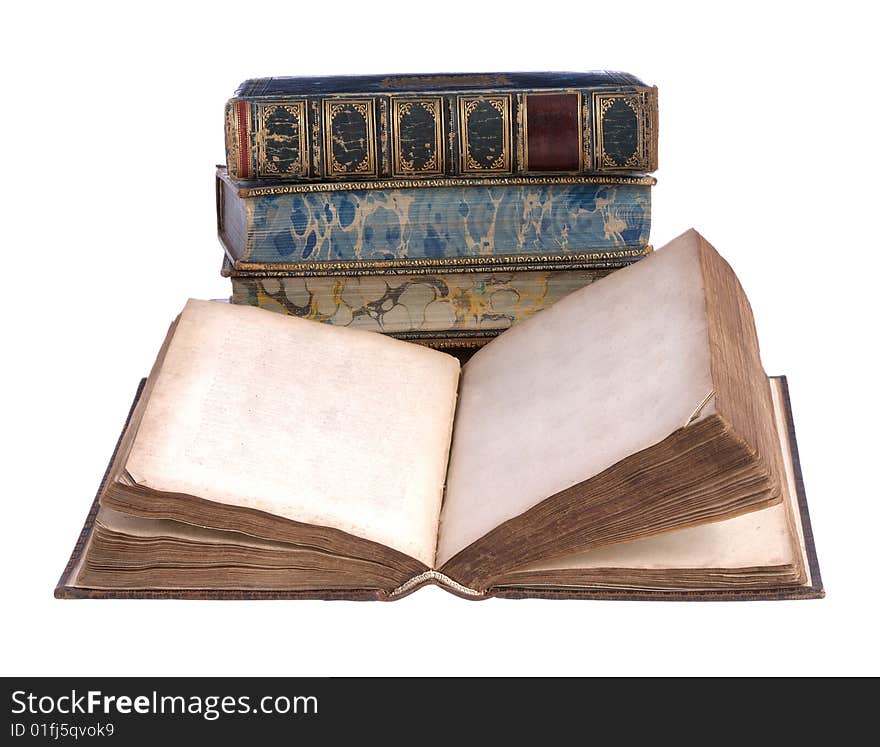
[
  {"x": 244, "y": 151},
  {"x": 553, "y": 132}
]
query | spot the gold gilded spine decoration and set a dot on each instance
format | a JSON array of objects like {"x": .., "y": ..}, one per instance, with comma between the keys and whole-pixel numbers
[
  {"x": 488, "y": 181},
  {"x": 403, "y": 162},
  {"x": 477, "y": 133},
  {"x": 242, "y": 149},
  {"x": 265, "y": 139},
  {"x": 452, "y": 125},
  {"x": 521, "y": 143},
  {"x": 364, "y": 164},
  {"x": 423, "y": 266},
  {"x": 465, "y": 343},
  {"x": 586, "y": 133},
  {"x": 603, "y": 104},
  {"x": 643, "y": 105},
  {"x": 441, "y": 81},
  {"x": 468, "y": 160},
  {"x": 651, "y": 134},
  {"x": 384, "y": 137},
  {"x": 316, "y": 138},
  {"x": 232, "y": 151}
]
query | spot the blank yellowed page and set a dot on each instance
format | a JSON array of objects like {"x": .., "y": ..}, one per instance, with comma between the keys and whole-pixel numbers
[
  {"x": 757, "y": 539},
  {"x": 604, "y": 373},
  {"x": 318, "y": 424},
  {"x": 766, "y": 538}
]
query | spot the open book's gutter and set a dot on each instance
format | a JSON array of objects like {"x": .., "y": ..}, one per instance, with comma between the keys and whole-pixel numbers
[{"x": 696, "y": 413}]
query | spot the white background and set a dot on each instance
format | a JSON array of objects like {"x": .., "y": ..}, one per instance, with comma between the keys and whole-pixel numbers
[{"x": 111, "y": 126}]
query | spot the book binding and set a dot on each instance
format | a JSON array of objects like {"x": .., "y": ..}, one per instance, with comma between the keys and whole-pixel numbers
[{"x": 428, "y": 126}]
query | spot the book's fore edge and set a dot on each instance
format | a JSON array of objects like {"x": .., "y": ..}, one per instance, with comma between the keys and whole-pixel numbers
[
  {"x": 227, "y": 253},
  {"x": 815, "y": 590},
  {"x": 598, "y": 256},
  {"x": 587, "y": 259},
  {"x": 742, "y": 389},
  {"x": 458, "y": 339},
  {"x": 63, "y": 587}
]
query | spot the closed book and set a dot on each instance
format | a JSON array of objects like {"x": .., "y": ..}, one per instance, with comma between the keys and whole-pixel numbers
[
  {"x": 418, "y": 226},
  {"x": 428, "y": 126},
  {"x": 466, "y": 305}
]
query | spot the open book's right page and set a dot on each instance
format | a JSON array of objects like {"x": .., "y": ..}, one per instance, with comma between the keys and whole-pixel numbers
[
  {"x": 594, "y": 378},
  {"x": 647, "y": 383}
]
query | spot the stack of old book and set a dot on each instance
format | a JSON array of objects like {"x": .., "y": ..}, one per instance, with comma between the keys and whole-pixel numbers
[
  {"x": 624, "y": 443},
  {"x": 436, "y": 208}
]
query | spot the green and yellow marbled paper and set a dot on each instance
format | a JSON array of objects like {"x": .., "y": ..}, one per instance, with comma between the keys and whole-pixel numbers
[{"x": 480, "y": 301}]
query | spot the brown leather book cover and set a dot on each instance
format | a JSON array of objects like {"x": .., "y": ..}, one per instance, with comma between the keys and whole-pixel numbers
[{"x": 66, "y": 588}]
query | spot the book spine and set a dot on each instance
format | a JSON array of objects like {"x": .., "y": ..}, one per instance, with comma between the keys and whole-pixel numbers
[
  {"x": 414, "y": 304},
  {"x": 470, "y": 223},
  {"x": 406, "y": 135}
]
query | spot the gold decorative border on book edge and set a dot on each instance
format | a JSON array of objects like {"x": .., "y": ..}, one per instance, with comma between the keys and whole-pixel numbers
[
  {"x": 466, "y": 164},
  {"x": 442, "y": 342},
  {"x": 520, "y": 136},
  {"x": 232, "y": 156},
  {"x": 398, "y": 111},
  {"x": 297, "y": 108},
  {"x": 525, "y": 129},
  {"x": 637, "y": 101},
  {"x": 651, "y": 128},
  {"x": 425, "y": 266},
  {"x": 499, "y": 181},
  {"x": 427, "y": 80},
  {"x": 366, "y": 108},
  {"x": 384, "y": 138},
  {"x": 316, "y": 138},
  {"x": 465, "y": 341},
  {"x": 586, "y": 132}
]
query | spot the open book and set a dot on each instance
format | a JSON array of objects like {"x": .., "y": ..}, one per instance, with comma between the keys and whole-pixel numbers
[{"x": 624, "y": 441}]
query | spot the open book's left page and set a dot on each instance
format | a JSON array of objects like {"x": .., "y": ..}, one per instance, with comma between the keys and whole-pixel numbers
[{"x": 322, "y": 426}]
